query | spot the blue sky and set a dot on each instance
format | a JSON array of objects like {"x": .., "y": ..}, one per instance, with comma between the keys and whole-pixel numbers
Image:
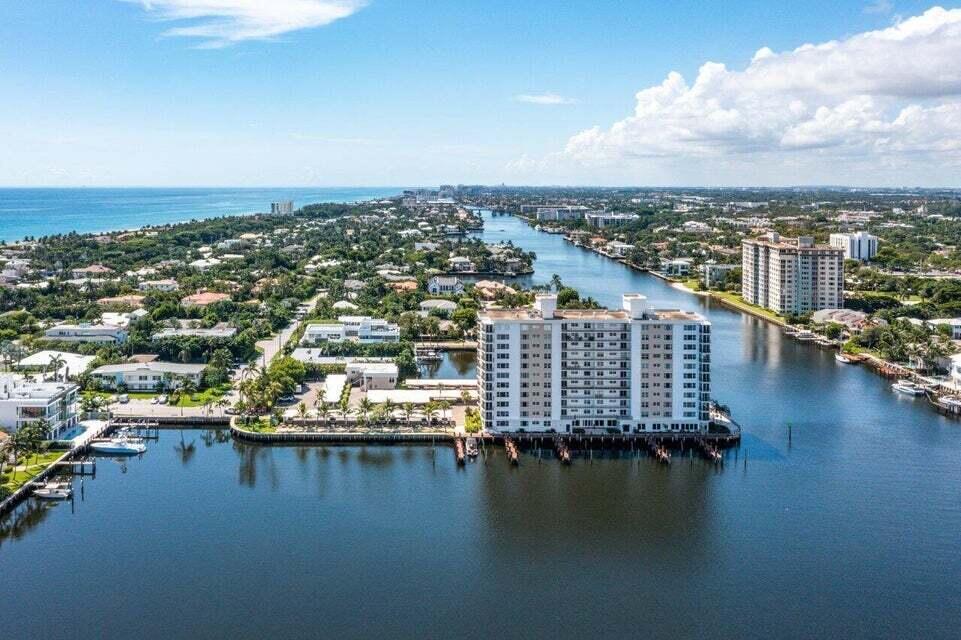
[{"x": 101, "y": 92}]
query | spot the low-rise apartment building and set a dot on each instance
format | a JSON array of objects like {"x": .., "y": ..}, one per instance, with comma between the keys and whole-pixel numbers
[
  {"x": 23, "y": 402},
  {"x": 633, "y": 370},
  {"x": 148, "y": 376},
  {"x": 100, "y": 333},
  {"x": 362, "y": 329}
]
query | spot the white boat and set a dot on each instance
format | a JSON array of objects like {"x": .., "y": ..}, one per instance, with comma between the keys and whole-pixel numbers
[
  {"x": 908, "y": 388},
  {"x": 472, "y": 449},
  {"x": 119, "y": 445},
  {"x": 840, "y": 357},
  {"x": 54, "y": 490}
]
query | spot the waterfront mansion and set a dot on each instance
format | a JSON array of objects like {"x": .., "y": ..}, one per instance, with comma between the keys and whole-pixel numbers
[{"x": 362, "y": 329}]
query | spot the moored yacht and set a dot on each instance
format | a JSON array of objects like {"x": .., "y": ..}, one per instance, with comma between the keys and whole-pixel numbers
[
  {"x": 54, "y": 490},
  {"x": 472, "y": 449},
  {"x": 842, "y": 358},
  {"x": 908, "y": 388},
  {"x": 121, "y": 445}
]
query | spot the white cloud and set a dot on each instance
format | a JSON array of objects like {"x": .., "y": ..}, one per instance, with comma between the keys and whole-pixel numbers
[
  {"x": 868, "y": 97},
  {"x": 219, "y": 23},
  {"x": 543, "y": 98}
]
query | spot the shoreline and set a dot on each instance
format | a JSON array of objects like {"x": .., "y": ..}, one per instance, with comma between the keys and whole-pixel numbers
[
  {"x": 875, "y": 364},
  {"x": 198, "y": 212}
]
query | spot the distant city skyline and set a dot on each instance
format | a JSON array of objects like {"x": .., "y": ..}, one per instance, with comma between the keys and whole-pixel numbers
[{"x": 348, "y": 92}]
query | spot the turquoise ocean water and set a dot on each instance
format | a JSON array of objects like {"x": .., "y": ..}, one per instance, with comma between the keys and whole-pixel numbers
[{"x": 41, "y": 212}]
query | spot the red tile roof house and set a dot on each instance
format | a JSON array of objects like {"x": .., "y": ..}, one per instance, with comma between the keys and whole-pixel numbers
[
  {"x": 203, "y": 299},
  {"x": 93, "y": 271}
]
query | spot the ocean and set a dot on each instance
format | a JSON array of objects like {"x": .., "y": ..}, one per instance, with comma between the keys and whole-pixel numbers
[{"x": 42, "y": 212}]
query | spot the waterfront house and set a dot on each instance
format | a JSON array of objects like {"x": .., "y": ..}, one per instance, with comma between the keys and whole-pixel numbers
[
  {"x": 618, "y": 248},
  {"x": 445, "y": 285},
  {"x": 714, "y": 274},
  {"x": 147, "y": 376},
  {"x": 676, "y": 268},
  {"x": 100, "y": 333},
  {"x": 23, "y": 402},
  {"x": 372, "y": 375},
  {"x": 460, "y": 264},
  {"x": 490, "y": 289}
]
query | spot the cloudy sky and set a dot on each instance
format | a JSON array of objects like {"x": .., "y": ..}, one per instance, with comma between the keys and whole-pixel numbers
[{"x": 410, "y": 92}]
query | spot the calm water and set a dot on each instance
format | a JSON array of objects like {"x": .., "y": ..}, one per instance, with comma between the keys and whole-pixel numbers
[
  {"x": 852, "y": 528},
  {"x": 41, "y": 212}
]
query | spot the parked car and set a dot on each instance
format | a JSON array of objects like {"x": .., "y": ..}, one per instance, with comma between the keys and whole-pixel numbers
[
  {"x": 162, "y": 399},
  {"x": 123, "y": 398}
]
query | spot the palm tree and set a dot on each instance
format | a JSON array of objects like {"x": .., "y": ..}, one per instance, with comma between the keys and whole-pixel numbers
[
  {"x": 430, "y": 408},
  {"x": 444, "y": 407},
  {"x": 56, "y": 362},
  {"x": 323, "y": 409},
  {"x": 302, "y": 411},
  {"x": 465, "y": 397},
  {"x": 388, "y": 406},
  {"x": 408, "y": 409},
  {"x": 365, "y": 406}
]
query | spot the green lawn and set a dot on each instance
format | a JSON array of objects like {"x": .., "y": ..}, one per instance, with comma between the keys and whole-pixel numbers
[
  {"x": 735, "y": 300},
  {"x": 262, "y": 425},
  {"x": 32, "y": 470},
  {"x": 195, "y": 400}
]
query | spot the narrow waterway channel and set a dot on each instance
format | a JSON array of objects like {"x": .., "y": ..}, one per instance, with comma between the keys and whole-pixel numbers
[{"x": 849, "y": 527}]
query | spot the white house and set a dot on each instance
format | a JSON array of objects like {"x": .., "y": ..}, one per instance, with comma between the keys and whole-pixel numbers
[
  {"x": 147, "y": 376},
  {"x": 460, "y": 263},
  {"x": 168, "y": 284},
  {"x": 955, "y": 370},
  {"x": 445, "y": 285},
  {"x": 954, "y": 323},
  {"x": 678, "y": 267},
  {"x": 362, "y": 329},
  {"x": 440, "y": 305},
  {"x": 71, "y": 364},
  {"x": 103, "y": 333},
  {"x": 372, "y": 375},
  {"x": 618, "y": 248},
  {"x": 23, "y": 403}
]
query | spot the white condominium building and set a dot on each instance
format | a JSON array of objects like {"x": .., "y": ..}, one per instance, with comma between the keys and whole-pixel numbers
[
  {"x": 23, "y": 402},
  {"x": 857, "y": 246},
  {"x": 362, "y": 329},
  {"x": 635, "y": 370},
  {"x": 791, "y": 276},
  {"x": 105, "y": 333}
]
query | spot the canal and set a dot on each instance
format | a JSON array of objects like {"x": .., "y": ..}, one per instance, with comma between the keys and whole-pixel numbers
[{"x": 850, "y": 526}]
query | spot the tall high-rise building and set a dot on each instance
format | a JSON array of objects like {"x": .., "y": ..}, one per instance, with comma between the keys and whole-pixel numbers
[
  {"x": 634, "y": 370},
  {"x": 285, "y": 207},
  {"x": 857, "y": 246},
  {"x": 791, "y": 276}
]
